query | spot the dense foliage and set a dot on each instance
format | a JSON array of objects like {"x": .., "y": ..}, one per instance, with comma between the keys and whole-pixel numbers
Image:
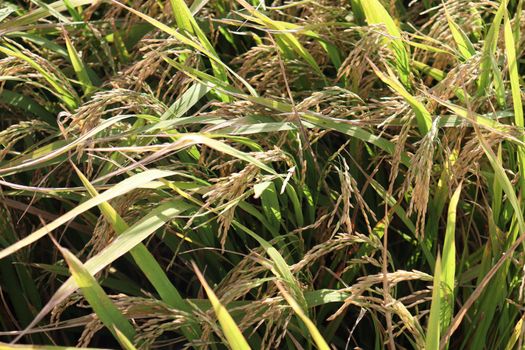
[{"x": 288, "y": 174}]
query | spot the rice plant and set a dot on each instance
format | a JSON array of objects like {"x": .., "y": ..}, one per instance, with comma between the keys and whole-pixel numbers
[{"x": 253, "y": 174}]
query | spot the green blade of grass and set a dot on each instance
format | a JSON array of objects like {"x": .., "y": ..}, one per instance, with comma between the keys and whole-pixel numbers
[
  {"x": 119, "y": 189},
  {"x": 188, "y": 99},
  {"x": 376, "y": 14},
  {"x": 66, "y": 96},
  {"x": 144, "y": 259},
  {"x": 280, "y": 268},
  {"x": 435, "y": 73},
  {"x": 434, "y": 320},
  {"x": 226, "y": 149},
  {"x": 73, "y": 11},
  {"x": 287, "y": 39},
  {"x": 314, "y": 332},
  {"x": 115, "y": 283},
  {"x": 478, "y": 120},
  {"x": 497, "y": 191},
  {"x": 51, "y": 10},
  {"x": 79, "y": 67},
  {"x": 439, "y": 75},
  {"x": 185, "y": 21},
  {"x": 317, "y": 119},
  {"x": 123, "y": 340},
  {"x": 183, "y": 39},
  {"x": 230, "y": 329},
  {"x": 489, "y": 48},
  {"x": 503, "y": 260},
  {"x": 106, "y": 311},
  {"x": 15, "y": 277},
  {"x": 504, "y": 182},
  {"x": 510, "y": 50},
  {"x": 448, "y": 270},
  {"x": 499, "y": 86},
  {"x": 513, "y": 72},
  {"x": 40, "y": 13},
  {"x": 55, "y": 150},
  {"x": 465, "y": 47},
  {"x": 26, "y": 103},
  {"x": 183, "y": 16},
  {"x": 271, "y": 208},
  {"x": 516, "y": 334},
  {"x": 423, "y": 117},
  {"x": 40, "y": 41},
  {"x": 118, "y": 247}
]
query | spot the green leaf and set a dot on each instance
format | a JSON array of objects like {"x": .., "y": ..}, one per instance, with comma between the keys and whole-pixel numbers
[
  {"x": 516, "y": 334},
  {"x": 448, "y": 272},
  {"x": 465, "y": 47},
  {"x": 27, "y": 104},
  {"x": 513, "y": 72},
  {"x": 504, "y": 182},
  {"x": 117, "y": 248},
  {"x": 79, "y": 67},
  {"x": 123, "y": 340},
  {"x": 489, "y": 49},
  {"x": 434, "y": 320},
  {"x": 230, "y": 329},
  {"x": 182, "y": 38},
  {"x": 40, "y": 13},
  {"x": 499, "y": 85},
  {"x": 287, "y": 39},
  {"x": 271, "y": 207},
  {"x": 423, "y": 117},
  {"x": 510, "y": 50},
  {"x": 224, "y": 148},
  {"x": 51, "y": 11},
  {"x": 186, "y": 22},
  {"x": 144, "y": 259},
  {"x": 314, "y": 332},
  {"x": 106, "y": 311},
  {"x": 376, "y": 14},
  {"x": 119, "y": 189},
  {"x": 187, "y": 100},
  {"x": 313, "y": 118},
  {"x": 280, "y": 268},
  {"x": 64, "y": 94}
]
